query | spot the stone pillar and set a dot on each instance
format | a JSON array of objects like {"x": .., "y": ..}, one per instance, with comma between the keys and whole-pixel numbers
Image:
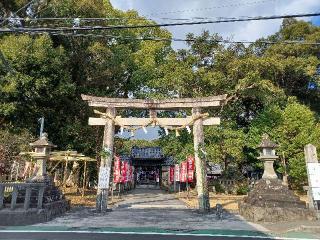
[
  {"x": 269, "y": 172},
  {"x": 108, "y": 141},
  {"x": 310, "y": 153},
  {"x": 201, "y": 170}
]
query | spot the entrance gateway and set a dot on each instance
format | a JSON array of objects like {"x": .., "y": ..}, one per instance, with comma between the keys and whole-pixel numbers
[{"x": 109, "y": 120}]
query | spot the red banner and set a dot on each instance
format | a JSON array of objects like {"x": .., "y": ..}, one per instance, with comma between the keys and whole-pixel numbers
[
  {"x": 117, "y": 170},
  {"x": 123, "y": 171},
  {"x": 131, "y": 174},
  {"x": 190, "y": 161},
  {"x": 171, "y": 174},
  {"x": 127, "y": 179},
  {"x": 183, "y": 171},
  {"x": 190, "y": 176},
  {"x": 191, "y": 167}
]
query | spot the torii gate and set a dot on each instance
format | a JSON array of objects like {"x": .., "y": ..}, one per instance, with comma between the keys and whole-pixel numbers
[{"x": 109, "y": 120}]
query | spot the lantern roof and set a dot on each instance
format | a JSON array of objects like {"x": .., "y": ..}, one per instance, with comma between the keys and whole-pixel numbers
[
  {"x": 267, "y": 143},
  {"x": 43, "y": 142}
]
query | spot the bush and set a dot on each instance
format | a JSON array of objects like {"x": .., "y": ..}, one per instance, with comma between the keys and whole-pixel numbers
[
  {"x": 242, "y": 189},
  {"x": 219, "y": 188},
  {"x": 11, "y": 145}
]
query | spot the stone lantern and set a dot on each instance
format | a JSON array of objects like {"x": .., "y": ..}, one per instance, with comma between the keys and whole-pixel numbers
[
  {"x": 268, "y": 156},
  {"x": 42, "y": 150},
  {"x": 270, "y": 200}
]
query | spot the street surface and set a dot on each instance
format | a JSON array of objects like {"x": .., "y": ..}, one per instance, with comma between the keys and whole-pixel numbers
[
  {"x": 146, "y": 214},
  {"x": 109, "y": 236}
]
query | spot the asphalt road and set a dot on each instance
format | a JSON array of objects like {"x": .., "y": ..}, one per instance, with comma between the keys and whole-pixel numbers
[{"x": 110, "y": 236}]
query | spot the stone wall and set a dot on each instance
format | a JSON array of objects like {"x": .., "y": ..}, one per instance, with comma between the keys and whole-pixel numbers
[{"x": 20, "y": 216}]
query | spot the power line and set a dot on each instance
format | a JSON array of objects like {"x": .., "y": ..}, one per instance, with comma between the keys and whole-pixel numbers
[
  {"x": 144, "y": 16},
  {"x": 113, "y": 27},
  {"x": 210, "y": 8},
  {"x": 179, "y": 39}
]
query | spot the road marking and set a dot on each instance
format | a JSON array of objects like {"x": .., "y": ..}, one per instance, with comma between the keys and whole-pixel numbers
[{"x": 156, "y": 233}]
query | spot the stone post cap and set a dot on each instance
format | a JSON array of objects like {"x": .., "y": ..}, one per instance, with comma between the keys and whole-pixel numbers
[{"x": 267, "y": 143}]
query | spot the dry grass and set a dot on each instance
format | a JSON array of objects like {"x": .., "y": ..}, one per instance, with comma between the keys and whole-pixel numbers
[
  {"x": 229, "y": 202},
  {"x": 88, "y": 200}
]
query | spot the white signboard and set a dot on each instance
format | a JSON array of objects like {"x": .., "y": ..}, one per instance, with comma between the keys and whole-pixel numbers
[
  {"x": 104, "y": 175},
  {"x": 314, "y": 181},
  {"x": 313, "y": 168},
  {"x": 316, "y": 194},
  {"x": 314, "y": 178}
]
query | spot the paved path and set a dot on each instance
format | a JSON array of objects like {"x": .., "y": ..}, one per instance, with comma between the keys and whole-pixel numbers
[
  {"x": 142, "y": 198},
  {"x": 147, "y": 208}
]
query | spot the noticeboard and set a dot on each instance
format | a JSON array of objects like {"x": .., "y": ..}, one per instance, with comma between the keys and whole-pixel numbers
[
  {"x": 316, "y": 194},
  {"x": 314, "y": 179},
  {"x": 313, "y": 168},
  {"x": 104, "y": 176}
]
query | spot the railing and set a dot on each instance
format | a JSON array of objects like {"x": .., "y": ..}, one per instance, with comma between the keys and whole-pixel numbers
[
  {"x": 227, "y": 182},
  {"x": 13, "y": 190}
]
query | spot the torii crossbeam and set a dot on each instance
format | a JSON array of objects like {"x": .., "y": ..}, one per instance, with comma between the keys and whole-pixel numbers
[{"x": 197, "y": 120}]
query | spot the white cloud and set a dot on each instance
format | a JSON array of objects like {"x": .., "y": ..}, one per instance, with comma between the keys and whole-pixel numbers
[{"x": 238, "y": 31}]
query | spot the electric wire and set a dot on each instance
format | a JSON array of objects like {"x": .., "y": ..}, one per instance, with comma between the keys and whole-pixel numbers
[
  {"x": 180, "y": 39},
  {"x": 143, "y": 16},
  {"x": 114, "y": 27},
  {"x": 210, "y": 8}
]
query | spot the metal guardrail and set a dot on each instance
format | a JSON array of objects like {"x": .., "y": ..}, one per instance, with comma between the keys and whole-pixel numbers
[{"x": 14, "y": 188}]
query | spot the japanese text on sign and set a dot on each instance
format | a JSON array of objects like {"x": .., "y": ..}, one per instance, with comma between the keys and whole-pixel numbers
[{"x": 104, "y": 175}]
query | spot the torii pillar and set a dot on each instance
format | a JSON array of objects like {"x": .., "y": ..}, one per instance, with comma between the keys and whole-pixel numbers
[
  {"x": 108, "y": 142},
  {"x": 201, "y": 166}
]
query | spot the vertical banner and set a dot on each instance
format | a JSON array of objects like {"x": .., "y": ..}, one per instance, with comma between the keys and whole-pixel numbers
[
  {"x": 117, "y": 170},
  {"x": 127, "y": 179},
  {"x": 183, "y": 172},
  {"x": 131, "y": 173},
  {"x": 123, "y": 172},
  {"x": 177, "y": 172},
  {"x": 171, "y": 174},
  {"x": 190, "y": 167}
]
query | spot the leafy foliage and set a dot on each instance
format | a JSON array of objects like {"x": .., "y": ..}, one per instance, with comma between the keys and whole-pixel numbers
[{"x": 267, "y": 86}]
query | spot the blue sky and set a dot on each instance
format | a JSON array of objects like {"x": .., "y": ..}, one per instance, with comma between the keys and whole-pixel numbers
[
  {"x": 221, "y": 8},
  {"x": 316, "y": 20}
]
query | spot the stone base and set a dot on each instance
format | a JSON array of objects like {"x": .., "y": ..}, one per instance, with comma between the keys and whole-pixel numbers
[
  {"x": 204, "y": 204},
  {"x": 274, "y": 214},
  {"x": 19, "y": 217},
  {"x": 271, "y": 201}
]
